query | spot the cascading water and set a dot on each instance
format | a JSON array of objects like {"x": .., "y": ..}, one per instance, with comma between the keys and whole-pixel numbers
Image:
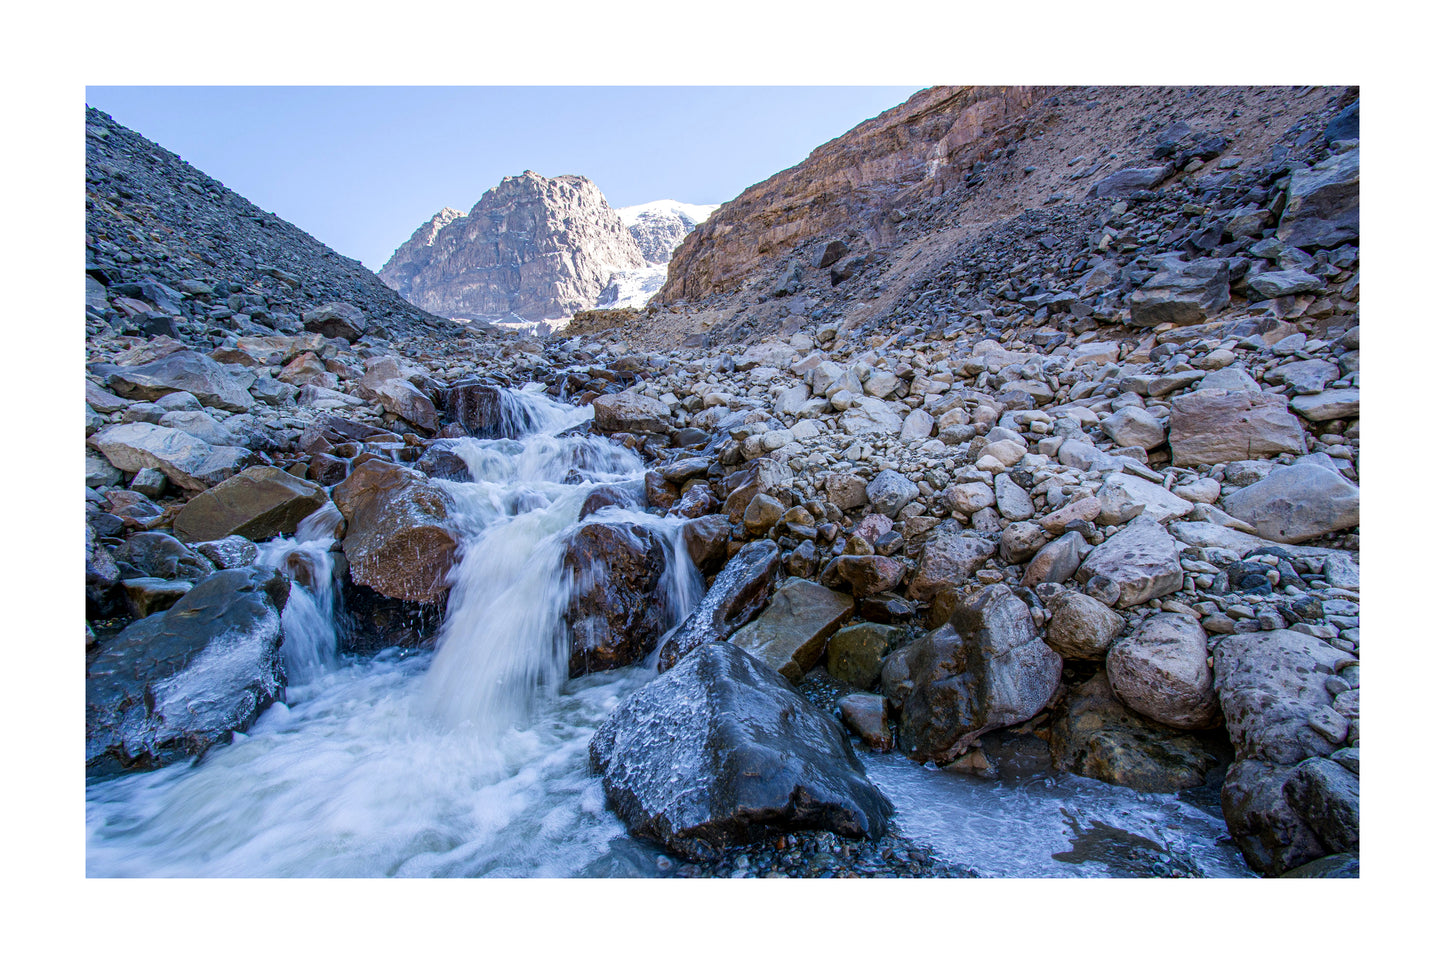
[
  {"x": 309, "y": 619},
  {"x": 468, "y": 761},
  {"x": 472, "y": 760}
]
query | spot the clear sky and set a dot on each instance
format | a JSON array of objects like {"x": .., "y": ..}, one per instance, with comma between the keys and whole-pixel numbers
[{"x": 360, "y": 168}]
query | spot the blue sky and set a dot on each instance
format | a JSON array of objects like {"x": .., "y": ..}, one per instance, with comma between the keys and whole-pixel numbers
[{"x": 360, "y": 168}]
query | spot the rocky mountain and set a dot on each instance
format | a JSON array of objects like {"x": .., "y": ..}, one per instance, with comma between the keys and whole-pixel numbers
[
  {"x": 532, "y": 249},
  {"x": 1046, "y": 461},
  {"x": 658, "y": 227}
]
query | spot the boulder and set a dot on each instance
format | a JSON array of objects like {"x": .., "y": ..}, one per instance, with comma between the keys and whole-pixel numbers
[
  {"x": 1096, "y": 736},
  {"x": 190, "y": 463},
  {"x": 855, "y": 654},
  {"x": 721, "y": 750},
  {"x": 1210, "y": 426},
  {"x": 790, "y": 634},
  {"x": 1134, "y": 426},
  {"x": 398, "y": 538},
  {"x": 1141, "y": 561},
  {"x": 864, "y": 575},
  {"x": 1272, "y": 692},
  {"x": 987, "y": 669},
  {"x": 890, "y": 492},
  {"x": 866, "y": 714},
  {"x": 630, "y": 412},
  {"x": 1162, "y": 671},
  {"x": 335, "y": 319},
  {"x": 1129, "y": 181},
  {"x": 1011, "y": 500},
  {"x": 1057, "y": 561},
  {"x": 258, "y": 503},
  {"x": 617, "y": 607},
  {"x": 403, "y": 399},
  {"x": 1268, "y": 285},
  {"x": 1326, "y": 796},
  {"x": 948, "y": 560},
  {"x": 165, "y": 557},
  {"x": 738, "y": 594},
  {"x": 1297, "y": 502},
  {"x": 182, "y": 371},
  {"x": 1327, "y": 406},
  {"x": 1081, "y": 627},
  {"x": 172, "y": 685},
  {"x": 1124, "y": 497},
  {"x": 871, "y": 416},
  {"x": 1183, "y": 293},
  {"x": 1269, "y": 832},
  {"x": 846, "y": 491},
  {"x": 1322, "y": 203},
  {"x": 706, "y": 538}
]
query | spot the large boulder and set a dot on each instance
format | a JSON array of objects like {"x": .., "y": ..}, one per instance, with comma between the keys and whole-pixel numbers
[
  {"x": 790, "y": 634},
  {"x": 987, "y": 669},
  {"x": 630, "y": 412},
  {"x": 1210, "y": 426},
  {"x": 1130, "y": 180},
  {"x": 182, "y": 371},
  {"x": 258, "y": 503},
  {"x": 1138, "y": 563},
  {"x": 1162, "y": 671},
  {"x": 1269, "y": 832},
  {"x": 1183, "y": 293},
  {"x": 172, "y": 685},
  {"x": 398, "y": 540},
  {"x": 738, "y": 594},
  {"x": 1297, "y": 502},
  {"x": 856, "y": 653},
  {"x": 335, "y": 319},
  {"x": 721, "y": 750},
  {"x": 1096, "y": 736},
  {"x": 617, "y": 607},
  {"x": 193, "y": 465},
  {"x": 1326, "y": 795},
  {"x": 1272, "y": 692},
  {"x": 384, "y": 383},
  {"x": 1322, "y": 203}
]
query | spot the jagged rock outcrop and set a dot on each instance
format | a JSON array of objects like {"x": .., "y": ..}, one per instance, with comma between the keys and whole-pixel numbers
[
  {"x": 658, "y": 227},
  {"x": 533, "y": 248},
  {"x": 850, "y": 184}
]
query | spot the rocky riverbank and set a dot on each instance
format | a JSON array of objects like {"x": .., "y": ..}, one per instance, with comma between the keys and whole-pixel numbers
[{"x": 1095, "y": 486}]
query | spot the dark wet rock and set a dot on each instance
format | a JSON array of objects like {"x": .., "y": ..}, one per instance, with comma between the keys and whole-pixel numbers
[
  {"x": 721, "y": 750},
  {"x": 103, "y": 597},
  {"x": 1267, "y": 830},
  {"x": 855, "y": 654},
  {"x": 866, "y": 714},
  {"x": 660, "y": 493},
  {"x": 182, "y": 371},
  {"x": 617, "y": 609},
  {"x": 398, "y": 540},
  {"x": 148, "y": 594},
  {"x": 987, "y": 669},
  {"x": 1140, "y": 561},
  {"x": 439, "y": 461},
  {"x": 331, "y": 430},
  {"x": 607, "y": 495},
  {"x": 174, "y": 684},
  {"x": 706, "y": 538},
  {"x": 1161, "y": 671},
  {"x": 1271, "y": 687},
  {"x": 1335, "y": 866},
  {"x": 258, "y": 503},
  {"x": 1096, "y": 736},
  {"x": 737, "y": 595},
  {"x": 1326, "y": 795},
  {"x": 232, "y": 552},
  {"x": 790, "y": 634},
  {"x": 165, "y": 557},
  {"x": 762, "y": 513}
]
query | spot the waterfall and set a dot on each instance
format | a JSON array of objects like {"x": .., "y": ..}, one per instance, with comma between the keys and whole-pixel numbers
[{"x": 309, "y": 619}]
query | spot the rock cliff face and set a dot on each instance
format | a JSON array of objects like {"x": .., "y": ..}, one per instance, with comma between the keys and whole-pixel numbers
[
  {"x": 533, "y": 248},
  {"x": 852, "y": 183}
]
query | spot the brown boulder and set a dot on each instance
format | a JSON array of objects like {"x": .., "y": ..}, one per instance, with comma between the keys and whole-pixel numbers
[
  {"x": 258, "y": 503},
  {"x": 398, "y": 541}
]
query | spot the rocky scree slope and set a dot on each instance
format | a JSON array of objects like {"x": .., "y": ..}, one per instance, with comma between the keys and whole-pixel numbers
[
  {"x": 1128, "y": 549},
  {"x": 888, "y": 210},
  {"x": 531, "y": 249}
]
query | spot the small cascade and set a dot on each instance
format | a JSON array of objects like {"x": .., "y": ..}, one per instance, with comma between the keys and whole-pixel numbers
[{"x": 309, "y": 619}]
